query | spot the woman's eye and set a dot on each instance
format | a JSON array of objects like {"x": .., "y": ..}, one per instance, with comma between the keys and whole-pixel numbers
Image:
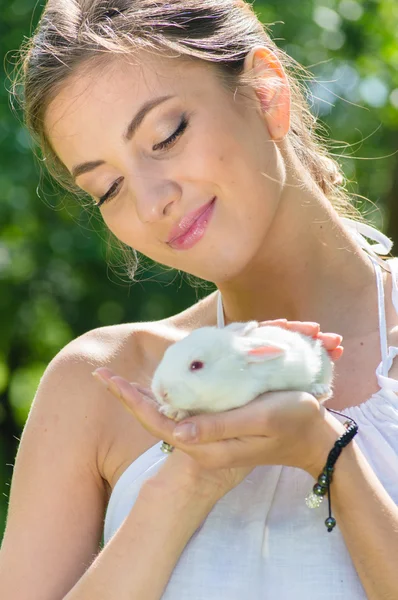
[
  {"x": 113, "y": 190},
  {"x": 178, "y": 132},
  {"x": 111, "y": 193}
]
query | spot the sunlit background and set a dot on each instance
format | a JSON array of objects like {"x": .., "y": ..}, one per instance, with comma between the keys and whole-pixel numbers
[{"x": 57, "y": 279}]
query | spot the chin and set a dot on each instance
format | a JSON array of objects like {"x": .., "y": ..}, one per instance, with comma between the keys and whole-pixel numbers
[
  {"x": 224, "y": 253},
  {"x": 224, "y": 268}
]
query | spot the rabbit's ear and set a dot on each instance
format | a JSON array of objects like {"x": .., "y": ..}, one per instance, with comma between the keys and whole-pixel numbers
[
  {"x": 264, "y": 353},
  {"x": 242, "y": 328},
  {"x": 257, "y": 351}
]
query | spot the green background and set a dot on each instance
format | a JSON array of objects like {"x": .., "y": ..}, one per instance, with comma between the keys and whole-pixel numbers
[{"x": 57, "y": 279}]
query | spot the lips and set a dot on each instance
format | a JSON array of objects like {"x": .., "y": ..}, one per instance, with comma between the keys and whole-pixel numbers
[{"x": 187, "y": 221}]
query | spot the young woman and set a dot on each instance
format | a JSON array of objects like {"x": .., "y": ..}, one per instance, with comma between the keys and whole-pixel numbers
[{"x": 185, "y": 124}]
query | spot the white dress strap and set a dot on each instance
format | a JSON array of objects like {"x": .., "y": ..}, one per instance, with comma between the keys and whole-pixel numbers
[
  {"x": 382, "y": 319},
  {"x": 220, "y": 311},
  {"x": 382, "y": 247},
  {"x": 360, "y": 231},
  {"x": 382, "y": 371}
]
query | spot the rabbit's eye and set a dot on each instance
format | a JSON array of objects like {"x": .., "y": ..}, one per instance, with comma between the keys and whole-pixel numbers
[{"x": 195, "y": 365}]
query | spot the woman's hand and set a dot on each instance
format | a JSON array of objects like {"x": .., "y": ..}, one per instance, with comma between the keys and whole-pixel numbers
[
  {"x": 331, "y": 341},
  {"x": 282, "y": 428}
]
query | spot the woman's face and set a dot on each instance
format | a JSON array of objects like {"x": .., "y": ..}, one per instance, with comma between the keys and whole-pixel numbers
[{"x": 195, "y": 152}]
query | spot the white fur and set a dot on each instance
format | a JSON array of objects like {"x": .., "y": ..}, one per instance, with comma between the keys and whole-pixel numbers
[{"x": 232, "y": 376}]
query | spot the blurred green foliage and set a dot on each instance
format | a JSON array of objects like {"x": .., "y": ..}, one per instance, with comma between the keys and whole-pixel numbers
[{"x": 54, "y": 280}]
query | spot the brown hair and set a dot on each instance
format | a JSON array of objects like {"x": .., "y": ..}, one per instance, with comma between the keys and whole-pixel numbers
[{"x": 73, "y": 33}]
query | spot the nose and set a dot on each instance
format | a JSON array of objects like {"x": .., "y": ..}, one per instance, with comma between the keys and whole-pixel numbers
[
  {"x": 155, "y": 198},
  {"x": 163, "y": 394},
  {"x": 165, "y": 397}
]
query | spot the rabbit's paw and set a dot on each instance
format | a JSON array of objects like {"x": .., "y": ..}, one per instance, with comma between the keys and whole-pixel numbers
[
  {"x": 321, "y": 391},
  {"x": 176, "y": 414}
]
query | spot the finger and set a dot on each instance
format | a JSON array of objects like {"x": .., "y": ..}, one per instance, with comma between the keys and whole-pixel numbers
[
  {"x": 143, "y": 407},
  {"x": 248, "y": 420},
  {"x": 276, "y": 322},
  {"x": 144, "y": 391},
  {"x": 105, "y": 375},
  {"x": 305, "y": 327},
  {"x": 336, "y": 353},
  {"x": 242, "y": 452},
  {"x": 330, "y": 340}
]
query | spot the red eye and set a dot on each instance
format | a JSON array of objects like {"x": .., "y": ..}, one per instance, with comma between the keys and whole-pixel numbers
[{"x": 195, "y": 365}]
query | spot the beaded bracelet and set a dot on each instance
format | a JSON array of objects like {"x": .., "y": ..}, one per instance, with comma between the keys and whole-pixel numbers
[{"x": 315, "y": 497}]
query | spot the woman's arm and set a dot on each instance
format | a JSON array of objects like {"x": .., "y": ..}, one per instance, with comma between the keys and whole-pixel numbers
[
  {"x": 138, "y": 560},
  {"x": 366, "y": 516},
  {"x": 289, "y": 428}
]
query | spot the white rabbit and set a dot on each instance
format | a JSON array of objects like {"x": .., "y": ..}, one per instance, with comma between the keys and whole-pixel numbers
[{"x": 212, "y": 370}]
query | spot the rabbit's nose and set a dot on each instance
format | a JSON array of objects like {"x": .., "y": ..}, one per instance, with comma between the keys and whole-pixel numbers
[{"x": 164, "y": 395}]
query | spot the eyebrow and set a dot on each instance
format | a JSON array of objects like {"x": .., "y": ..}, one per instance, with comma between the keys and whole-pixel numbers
[{"x": 131, "y": 129}]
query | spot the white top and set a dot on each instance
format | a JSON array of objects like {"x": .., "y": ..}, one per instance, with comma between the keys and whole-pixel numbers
[{"x": 261, "y": 540}]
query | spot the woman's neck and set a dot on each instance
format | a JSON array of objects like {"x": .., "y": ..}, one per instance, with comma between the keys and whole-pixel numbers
[{"x": 309, "y": 269}]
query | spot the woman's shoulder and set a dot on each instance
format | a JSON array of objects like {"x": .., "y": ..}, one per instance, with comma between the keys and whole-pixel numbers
[
  {"x": 133, "y": 351},
  {"x": 129, "y": 343}
]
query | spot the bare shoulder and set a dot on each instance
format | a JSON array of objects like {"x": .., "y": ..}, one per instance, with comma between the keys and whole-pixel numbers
[
  {"x": 127, "y": 350},
  {"x": 70, "y": 394},
  {"x": 133, "y": 351}
]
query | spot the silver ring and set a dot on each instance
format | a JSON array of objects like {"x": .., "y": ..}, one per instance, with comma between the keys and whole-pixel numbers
[{"x": 166, "y": 448}]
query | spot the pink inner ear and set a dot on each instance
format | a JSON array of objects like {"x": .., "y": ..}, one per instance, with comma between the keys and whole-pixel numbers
[{"x": 265, "y": 351}]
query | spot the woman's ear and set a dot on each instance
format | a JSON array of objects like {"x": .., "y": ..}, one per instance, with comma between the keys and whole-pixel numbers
[{"x": 272, "y": 89}]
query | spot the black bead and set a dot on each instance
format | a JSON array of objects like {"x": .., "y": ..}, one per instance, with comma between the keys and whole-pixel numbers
[
  {"x": 330, "y": 523},
  {"x": 319, "y": 490},
  {"x": 323, "y": 480}
]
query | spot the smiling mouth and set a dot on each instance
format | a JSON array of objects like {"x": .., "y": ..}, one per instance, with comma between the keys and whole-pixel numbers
[
  {"x": 187, "y": 221},
  {"x": 194, "y": 230}
]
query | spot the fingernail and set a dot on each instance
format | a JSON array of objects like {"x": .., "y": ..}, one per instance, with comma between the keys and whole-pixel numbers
[
  {"x": 336, "y": 336},
  {"x": 186, "y": 432},
  {"x": 98, "y": 377},
  {"x": 317, "y": 331}
]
